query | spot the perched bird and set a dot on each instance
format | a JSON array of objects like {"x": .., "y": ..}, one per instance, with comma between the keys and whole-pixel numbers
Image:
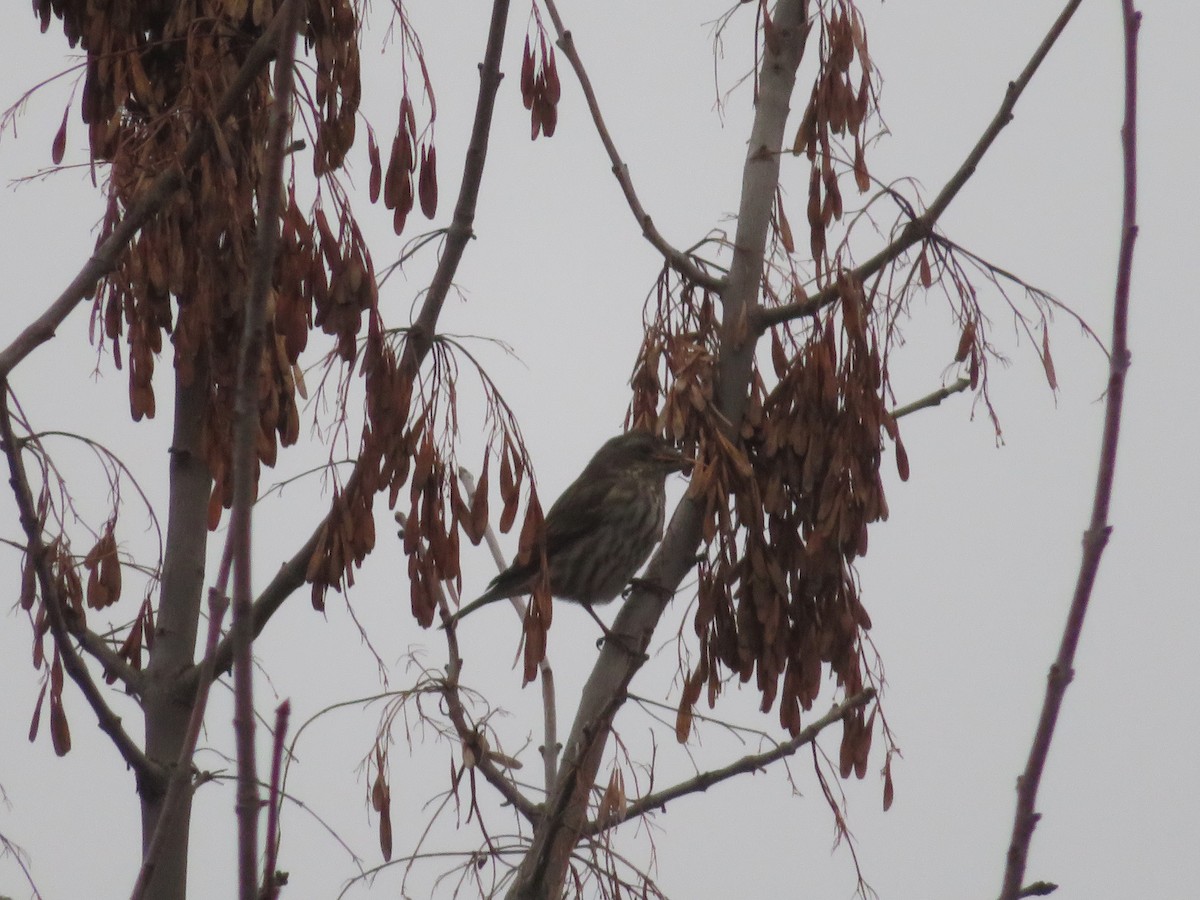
[{"x": 602, "y": 528}]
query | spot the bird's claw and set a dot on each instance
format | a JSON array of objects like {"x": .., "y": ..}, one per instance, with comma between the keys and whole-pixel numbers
[{"x": 644, "y": 584}]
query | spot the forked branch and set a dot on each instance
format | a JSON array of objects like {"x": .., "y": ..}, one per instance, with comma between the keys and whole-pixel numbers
[
  {"x": 752, "y": 763},
  {"x": 291, "y": 575}
]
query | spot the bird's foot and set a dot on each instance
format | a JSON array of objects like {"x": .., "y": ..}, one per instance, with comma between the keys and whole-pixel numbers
[
  {"x": 653, "y": 587},
  {"x": 613, "y": 638}
]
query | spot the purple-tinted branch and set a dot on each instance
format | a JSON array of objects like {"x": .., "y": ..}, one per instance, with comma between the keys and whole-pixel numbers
[
  {"x": 1096, "y": 537},
  {"x": 245, "y": 462},
  {"x": 270, "y": 883}
]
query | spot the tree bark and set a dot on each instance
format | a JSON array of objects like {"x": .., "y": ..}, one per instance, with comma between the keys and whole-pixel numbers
[{"x": 166, "y": 710}]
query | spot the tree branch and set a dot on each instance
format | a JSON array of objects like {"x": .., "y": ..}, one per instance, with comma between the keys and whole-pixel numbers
[
  {"x": 420, "y": 335},
  {"x": 550, "y": 745},
  {"x": 543, "y": 869},
  {"x": 1096, "y": 537},
  {"x": 104, "y": 259},
  {"x": 922, "y": 226},
  {"x": 245, "y": 436},
  {"x": 676, "y": 259},
  {"x": 147, "y": 772},
  {"x": 468, "y": 735},
  {"x": 752, "y": 763}
]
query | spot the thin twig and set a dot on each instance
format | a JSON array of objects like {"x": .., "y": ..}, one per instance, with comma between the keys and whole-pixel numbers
[
  {"x": 271, "y": 883},
  {"x": 1096, "y": 537},
  {"x": 149, "y": 773},
  {"x": 933, "y": 398},
  {"x": 468, "y": 735},
  {"x": 8, "y": 848},
  {"x": 675, "y": 258},
  {"x": 921, "y": 227},
  {"x": 104, "y": 259},
  {"x": 550, "y": 746},
  {"x": 114, "y": 664},
  {"x": 181, "y": 774},
  {"x": 752, "y": 763}
]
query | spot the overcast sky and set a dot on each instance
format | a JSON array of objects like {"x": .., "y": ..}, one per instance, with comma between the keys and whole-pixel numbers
[{"x": 967, "y": 583}]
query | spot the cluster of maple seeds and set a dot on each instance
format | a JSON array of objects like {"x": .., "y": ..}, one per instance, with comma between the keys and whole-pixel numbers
[
  {"x": 540, "y": 87},
  {"x": 155, "y": 73},
  {"x": 835, "y": 108},
  {"x": 397, "y": 184},
  {"x": 786, "y": 502}
]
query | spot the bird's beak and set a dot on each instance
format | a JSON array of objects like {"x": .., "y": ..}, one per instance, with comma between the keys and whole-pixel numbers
[{"x": 675, "y": 459}]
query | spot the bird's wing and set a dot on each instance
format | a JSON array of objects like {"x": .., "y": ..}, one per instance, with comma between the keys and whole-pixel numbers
[{"x": 579, "y": 510}]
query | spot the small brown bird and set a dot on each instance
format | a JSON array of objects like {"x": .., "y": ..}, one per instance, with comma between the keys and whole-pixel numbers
[{"x": 602, "y": 528}]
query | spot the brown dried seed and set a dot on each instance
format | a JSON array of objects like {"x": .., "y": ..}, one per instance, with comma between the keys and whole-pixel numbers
[
  {"x": 1047, "y": 360},
  {"x": 35, "y": 721},
  {"x": 376, "y": 167},
  {"x": 527, "y": 75},
  {"x": 59, "y": 145},
  {"x": 60, "y": 731},
  {"x": 966, "y": 341},
  {"x": 427, "y": 186}
]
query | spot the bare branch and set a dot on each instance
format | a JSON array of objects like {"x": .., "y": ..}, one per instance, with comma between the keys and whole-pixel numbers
[
  {"x": 8, "y": 848},
  {"x": 468, "y": 734},
  {"x": 1096, "y": 537},
  {"x": 922, "y": 226},
  {"x": 104, "y": 259},
  {"x": 271, "y": 882},
  {"x": 149, "y": 774},
  {"x": 676, "y": 259},
  {"x": 752, "y": 763}
]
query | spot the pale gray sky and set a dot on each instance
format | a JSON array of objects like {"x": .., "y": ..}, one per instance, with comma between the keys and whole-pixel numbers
[{"x": 967, "y": 583}]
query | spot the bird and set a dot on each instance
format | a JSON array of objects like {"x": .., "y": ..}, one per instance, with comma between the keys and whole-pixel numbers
[{"x": 601, "y": 529}]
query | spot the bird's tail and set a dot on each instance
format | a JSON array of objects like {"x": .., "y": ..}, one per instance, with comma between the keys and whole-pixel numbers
[{"x": 491, "y": 595}]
